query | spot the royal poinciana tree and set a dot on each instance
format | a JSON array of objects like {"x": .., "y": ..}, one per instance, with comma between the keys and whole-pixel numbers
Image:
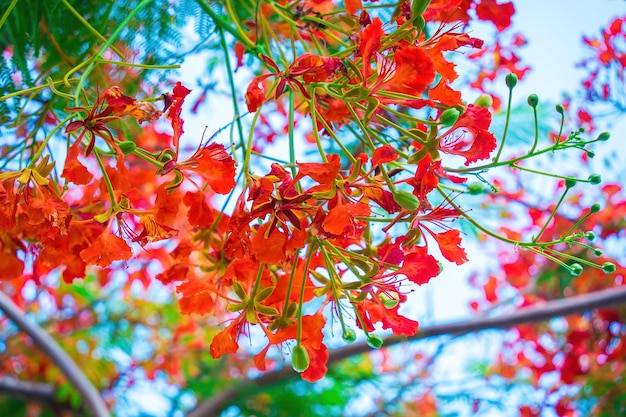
[{"x": 222, "y": 268}]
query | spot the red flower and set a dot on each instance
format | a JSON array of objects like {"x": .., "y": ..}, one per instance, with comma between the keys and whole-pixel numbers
[
  {"x": 174, "y": 102},
  {"x": 106, "y": 249},
  {"x": 469, "y": 137},
  {"x": 118, "y": 105}
]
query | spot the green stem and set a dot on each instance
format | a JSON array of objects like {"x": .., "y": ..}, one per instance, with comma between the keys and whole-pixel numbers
[
  {"x": 43, "y": 145},
  {"x": 552, "y": 214},
  {"x": 257, "y": 281},
  {"x": 536, "y": 139},
  {"x": 474, "y": 222},
  {"x": 106, "y": 178},
  {"x": 248, "y": 149},
  {"x": 8, "y": 11},
  {"x": 34, "y": 89},
  {"x": 554, "y": 259},
  {"x": 324, "y": 245},
  {"x": 316, "y": 133},
  {"x": 292, "y": 148},
  {"x": 506, "y": 125},
  {"x": 547, "y": 174},
  {"x": 335, "y": 138},
  {"x": 292, "y": 276},
  {"x": 500, "y": 163},
  {"x": 57, "y": 92},
  {"x": 574, "y": 258},
  {"x": 89, "y": 27},
  {"x": 144, "y": 66},
  {"x": 301, "y": 300},
  {"x": 109, "y": 42},
  {"x": 233, "y": 90}
]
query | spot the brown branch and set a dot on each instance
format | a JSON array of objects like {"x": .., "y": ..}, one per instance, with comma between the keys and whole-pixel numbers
[
  {"x": 51, "y": 348},
  {"x": 29, "y": 391},
  {"x": 539, "y": 312}
]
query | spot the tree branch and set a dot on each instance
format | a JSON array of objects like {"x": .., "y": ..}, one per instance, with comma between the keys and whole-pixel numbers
[
  {"x": 32, "y": 392},
  {"x": 47, "y": 344},
  {"x": 538, "y": 312}
]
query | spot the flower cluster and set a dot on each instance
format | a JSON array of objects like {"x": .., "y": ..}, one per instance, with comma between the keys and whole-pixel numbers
[{"x": 348, "y": 232}]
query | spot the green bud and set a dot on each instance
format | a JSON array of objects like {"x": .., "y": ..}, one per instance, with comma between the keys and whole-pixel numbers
[
  {"x": 533, "y": 100},
  {"x": 595, "y": 179},
  {"x": 608, "y": 267},
  {"x": 511, "y": 80},
  {"x": 349, "y": 335},
  {"x": 575, "y": 269},
  {"x": 299, "y": 359},
  {"x": 406, "y": 200},
  {"x": 374, "y": 341},
  {"x": 449, "y": 116},
  {"x": 595, "y": 208},
  {"x": 560, "y": 109},
  {"x": 590, "y": 235},
  {"x": 597, "y": 252},
  {"x": 475, "y": 188},
  {"x": 570, "y": 182},
  {"x": 590, "y": 154},
  {"x": 484, "y": 100},
  {"x": 127, "y": 147},
  {"x": 604, "y": 136}
]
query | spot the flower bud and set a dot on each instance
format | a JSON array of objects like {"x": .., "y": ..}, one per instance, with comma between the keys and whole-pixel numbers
[
  {"x": 595, "y": 179},
  {"x": 299, "y": 359},
  {"x": 374, "y": 341},
  {"x": 533, "y": 100},
  {"x": 560, "y": 109},
  {"x": 604, "y": 136},
  {"x": 349, "y": 335},
  {"x": 570, "y": 182},
  {"x": 590, "y": 235},
  {"x": 484, "y": 100},
  {"x": 406, "y": 200},
  {"x": 449, "y": 116},
  {"x": 575, "y": 269},
  {"x": 597, "y": 252},
  {"x": 475, "y": 188},
  {"x": 595, "y": 208},
  {"x": 511, "y": 80},
  {"x": 608, "y": 267}
]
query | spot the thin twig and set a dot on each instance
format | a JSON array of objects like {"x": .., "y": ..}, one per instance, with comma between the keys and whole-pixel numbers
[
  {"x": 539, "y": 312},
  {"x": 50, "y": 347}
]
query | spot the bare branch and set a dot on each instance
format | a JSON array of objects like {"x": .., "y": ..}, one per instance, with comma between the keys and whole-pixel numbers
[
  {"x": 47, "y": 344},
  {"x": 539, "y": 312},
  {"x": 28, "y": 391}
]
